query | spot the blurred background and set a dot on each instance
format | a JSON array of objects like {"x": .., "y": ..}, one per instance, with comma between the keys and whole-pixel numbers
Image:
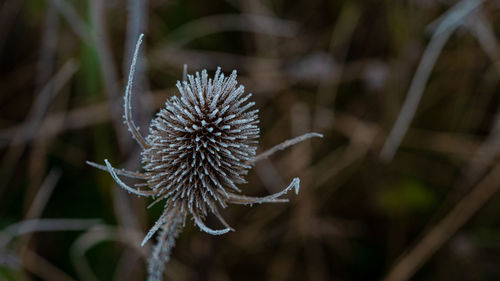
[{"x": 402, "y": 187}]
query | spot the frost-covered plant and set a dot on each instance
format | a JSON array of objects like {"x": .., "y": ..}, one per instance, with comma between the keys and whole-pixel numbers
[{"x": 199, "y": 148}]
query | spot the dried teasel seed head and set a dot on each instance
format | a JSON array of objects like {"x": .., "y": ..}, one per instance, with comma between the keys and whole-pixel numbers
[{"x": 201, "y": 143}]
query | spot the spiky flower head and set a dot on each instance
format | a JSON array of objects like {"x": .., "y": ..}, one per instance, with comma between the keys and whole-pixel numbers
[
  {"x": 201, "y": 143},
  {"x": 199, "y": 147}
]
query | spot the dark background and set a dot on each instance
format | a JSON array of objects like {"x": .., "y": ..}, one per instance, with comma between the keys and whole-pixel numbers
[{"x": 341, "y": 68}]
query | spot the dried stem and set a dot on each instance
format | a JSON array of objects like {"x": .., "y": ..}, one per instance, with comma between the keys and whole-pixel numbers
[
  {"x": 165, "y": 243},
  {"x": 443, "y": 32},
  {"x": 414, "y": 95}
]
